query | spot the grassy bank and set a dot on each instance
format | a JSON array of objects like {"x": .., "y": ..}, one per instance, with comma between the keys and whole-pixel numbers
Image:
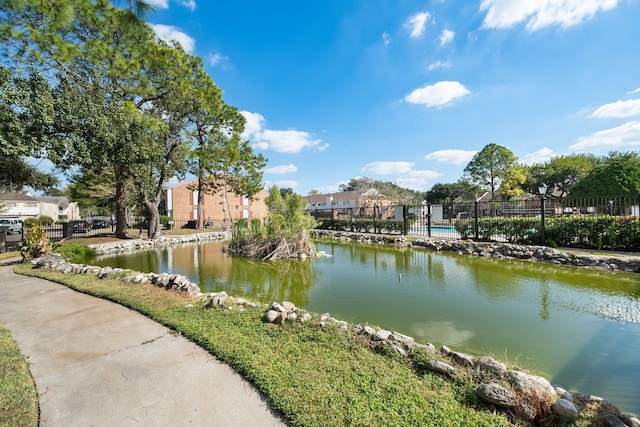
[
  {"x": 313, "y": 376},
  {"x": 18, "y": 395}
]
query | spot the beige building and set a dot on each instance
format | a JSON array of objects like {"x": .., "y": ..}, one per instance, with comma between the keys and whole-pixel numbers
[
  {"x": 181, "y": 203},
  {"x": 350, "y": 204},
  {"x": 23, "y": 205}
]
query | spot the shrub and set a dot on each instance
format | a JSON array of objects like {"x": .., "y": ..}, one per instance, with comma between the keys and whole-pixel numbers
[
  {"x": 36, "y": 244},
  {"x": 75, "y": 252}
]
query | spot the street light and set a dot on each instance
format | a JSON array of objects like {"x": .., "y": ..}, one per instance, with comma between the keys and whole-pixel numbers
[
  {"x": 611, "y": 207},
  {"x": 543, "y": 196}
]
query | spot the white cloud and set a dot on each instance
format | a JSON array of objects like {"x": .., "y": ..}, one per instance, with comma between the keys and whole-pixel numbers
[
  {"x": 288, "y": 141},
  {"x": 215, "y": 59},
  {"x": 635, "y": 91},
  {"x": 540, "y": 156},
  {"x": 437, "y": 95},
  {"x": 282, "y": 141},
  {"x": 417, "y": 23},
  {"x": 170, "y": 33},
  {"x": 286, "y": 183},
  {"x": 386, "y": 38},
  {"x": 541, "y": 13},
  {"x": 262, "y": 145},
  {"x": 282, "y": 169},
  {"x": 454, "y": 157},
  {"x": 189, "y": 4},
  {"x": 446, "y": 37},
  {"x": 387, "y": 168},
  {"x": 417, "y": 180},
  {"x": 253, "y": 127},
  {"x": 439, "y": 64},
  {"x": 618, "y": 109},
  {"x": 160, "y": 4},
  {"x": 623, "y": 136}
]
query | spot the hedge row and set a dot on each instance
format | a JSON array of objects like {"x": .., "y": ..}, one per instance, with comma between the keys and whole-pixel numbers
[
  {"x": 387, "y": 226},
  {"x": 602, "y": 232}
]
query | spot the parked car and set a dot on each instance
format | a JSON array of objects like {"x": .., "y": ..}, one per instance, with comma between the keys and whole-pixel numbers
[
  {"x": 100, "y": 223},
  {"x": 14, "y": 225},
  {"x": 80, "y": 226}
]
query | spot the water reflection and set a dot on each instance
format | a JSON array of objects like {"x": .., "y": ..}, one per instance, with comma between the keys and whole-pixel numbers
[{"x": 558, "y": 321}]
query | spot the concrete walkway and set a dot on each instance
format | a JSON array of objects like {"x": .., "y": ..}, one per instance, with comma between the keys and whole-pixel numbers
[{"x": 96, "y": 363}]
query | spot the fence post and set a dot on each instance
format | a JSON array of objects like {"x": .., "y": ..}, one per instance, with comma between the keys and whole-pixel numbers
[
  {"x": 67, "y": 230},
  {"x": 475, "y": 220},
  {"x": 3, "y": 239},
  {"x": 405, "y": 219},
  {"x": 429, "y": 219}
]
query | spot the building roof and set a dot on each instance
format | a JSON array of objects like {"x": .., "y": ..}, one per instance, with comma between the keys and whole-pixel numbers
[
  {"x": 17, "y": 196},
  {"x": 61, "y": 201}
]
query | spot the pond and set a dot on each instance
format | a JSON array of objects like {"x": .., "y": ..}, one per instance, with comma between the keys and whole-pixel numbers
[{"x": 577, "y": 327}]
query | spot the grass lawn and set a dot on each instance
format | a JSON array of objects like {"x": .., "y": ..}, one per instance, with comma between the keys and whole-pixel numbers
[
  {"x": 312, "y": 375},
  {"x": 18, "y": 395}
]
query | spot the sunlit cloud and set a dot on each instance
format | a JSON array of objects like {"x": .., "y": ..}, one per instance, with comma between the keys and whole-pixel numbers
[
  {"x": 286, "y": 183},
  {"x": 253, "y": 126},
  {"x": 169, "y": 33},
  {"x": 439, "y": 64},
  {"x": 618, "y": 109},
  {"x": 281, "y": 169},
  {"x": 446, "y": 37},
  {"x": 215, "y": 59},
  {"x": 438, "y": 95},
  {"x": 281, "y": 141},
  {"x": 417, "y": 23},
  {"x": 624, "y": 136},
  {"x": 386, "y": 38},
  {"x": 159, "y": 4},
  {"x": 189, "y": 4},
  {"x": 540, "y": 156},
  {"x": 288, "y": 141},
  {"x": 417, "y": 180},
  {"x": 387, "y": 168},
  {"x": 541, "y": 13},
  {"x": 454, "y": 157}
]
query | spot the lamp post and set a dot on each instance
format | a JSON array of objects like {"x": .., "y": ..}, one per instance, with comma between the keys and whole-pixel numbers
[
  {"x": 611, "y": 207},
  {"x": 543, "y": 196}
]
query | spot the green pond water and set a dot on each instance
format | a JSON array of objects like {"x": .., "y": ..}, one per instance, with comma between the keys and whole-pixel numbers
[{"x": 579, "y": 328}]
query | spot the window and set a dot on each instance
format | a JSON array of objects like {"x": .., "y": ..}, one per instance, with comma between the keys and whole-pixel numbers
[{"x": 31, "y": 204}]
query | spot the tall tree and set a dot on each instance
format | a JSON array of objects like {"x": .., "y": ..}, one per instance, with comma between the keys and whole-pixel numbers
[
  {"x": 447, "y": 193},
  {"x": 561, "y": 173},
  {"x": 620, "y": 174},
  {"x": 109, "y": 66},
  {"x": 490, "y": 167},
  {"x": 23, "y": 105}
]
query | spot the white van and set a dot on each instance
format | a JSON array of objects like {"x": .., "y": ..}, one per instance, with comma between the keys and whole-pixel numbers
[{"x": 14, "y": 225}]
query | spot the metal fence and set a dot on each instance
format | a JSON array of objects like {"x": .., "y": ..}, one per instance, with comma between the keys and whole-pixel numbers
[{"x": 607, "y": 222}]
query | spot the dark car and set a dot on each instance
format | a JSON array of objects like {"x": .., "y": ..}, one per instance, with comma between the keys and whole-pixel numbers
[
  {"x": 80, "y": 226},
  {"x": 99, "y": 223}
]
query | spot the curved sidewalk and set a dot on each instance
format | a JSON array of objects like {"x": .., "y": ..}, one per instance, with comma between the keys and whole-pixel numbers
[{"x": 100, "y": 364}]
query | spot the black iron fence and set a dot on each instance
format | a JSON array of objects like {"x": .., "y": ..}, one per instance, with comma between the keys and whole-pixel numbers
[{"x": 611, "y": 222}]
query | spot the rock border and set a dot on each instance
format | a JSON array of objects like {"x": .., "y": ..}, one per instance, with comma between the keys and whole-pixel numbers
[
  {"x": 529, "y": 397},
  {"x": 497, "y": 250}
]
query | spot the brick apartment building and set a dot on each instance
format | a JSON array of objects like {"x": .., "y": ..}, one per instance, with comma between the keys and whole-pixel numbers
[{"x": 181, "y": 203}]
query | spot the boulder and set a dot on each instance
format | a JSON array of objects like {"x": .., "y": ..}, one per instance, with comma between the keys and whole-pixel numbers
[
  {"x": 566, "y": 409},
  {"x": 532, "y": 385},
  {"x": 440, "y": 367},
  {"x": 496, "y": 394},
  {"x": 489, "y": 364},
  {"x": 611, "y": 421}
]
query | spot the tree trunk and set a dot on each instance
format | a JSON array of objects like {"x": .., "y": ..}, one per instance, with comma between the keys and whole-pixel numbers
[
  {"x": 201, "y": 192},
  {"x": 121, "y": 208},
  {"x": 153, "y": 218}
]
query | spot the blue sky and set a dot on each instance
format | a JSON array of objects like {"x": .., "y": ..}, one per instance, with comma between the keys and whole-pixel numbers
[{"x": 408, "y": 91}]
